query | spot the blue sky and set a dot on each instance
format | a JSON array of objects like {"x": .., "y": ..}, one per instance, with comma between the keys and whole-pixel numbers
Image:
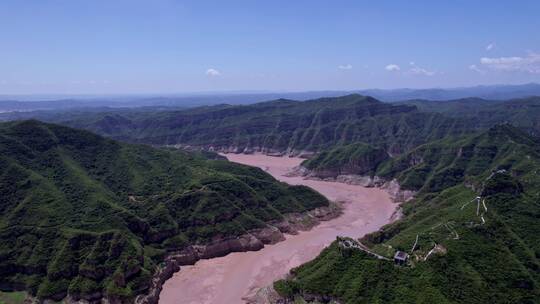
[{"x": 166, "y": 46}]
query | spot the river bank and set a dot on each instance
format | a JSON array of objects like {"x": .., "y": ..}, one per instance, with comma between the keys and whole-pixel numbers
[{"x": 238, "y": 276}]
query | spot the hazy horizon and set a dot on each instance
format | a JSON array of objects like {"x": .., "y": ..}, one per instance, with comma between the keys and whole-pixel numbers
[{"x": 52, "y": 95}]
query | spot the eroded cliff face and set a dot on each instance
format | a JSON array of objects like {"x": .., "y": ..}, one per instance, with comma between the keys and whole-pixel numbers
[
  {"x": 87, "y": 218},
  {"x": 252, "y": 241},
  {"x": 353, "y": 159},
  {"x": 283, "y": 126},
  {"x": 247, "y": 150},
  {"x": 392, "y": 186}
]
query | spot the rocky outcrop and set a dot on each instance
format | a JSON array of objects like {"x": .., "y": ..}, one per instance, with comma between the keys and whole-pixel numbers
[
  {"x": 392, "y": 187},
  {"x": 268, "y": 295},
  {"x": 247, "y": 150},
  {"x": 398, "y": 194},
  {"x": 192, "y": 254},
  {"x": 265, "y": 295},
  {"x": 252, "y": 241},
  {"x": 269, "y": 235},
  {"x": 356, "y": 158}
]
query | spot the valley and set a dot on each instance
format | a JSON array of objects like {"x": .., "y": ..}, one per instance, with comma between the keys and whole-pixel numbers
[
  {"x": 127, "y": 217},
  {"x": 238, "y": 276},
  {"x": 85, "y": 218},
  {"x": 262, "y": 152}
]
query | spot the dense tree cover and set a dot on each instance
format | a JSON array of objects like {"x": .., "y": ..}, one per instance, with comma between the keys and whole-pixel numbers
[
  {"x": 523, "y": 113},
  {"x": 279, "y": 125},
  {"x": 357, "y": 158},
  {"x": 313, "y": 125},
  {"x": 88, "y": 216},
  {"x": 445, "y": 163},
  {"x": 83, "y": 214},
  {"x": 482, "y": 251},
  {"x": 439, "y": 164}
]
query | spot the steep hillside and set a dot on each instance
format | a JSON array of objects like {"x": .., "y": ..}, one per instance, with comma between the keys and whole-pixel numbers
[
  {"x": 445, "y": 163},
  {"x": 523, "y": 113},
  {"x": 462, "y": 249},
  {"x": 358, "y": 159},
  {"x": 433, "y": 166},
  {"x": 280, "y": 126},
  {"x": 88, "y": 217}
]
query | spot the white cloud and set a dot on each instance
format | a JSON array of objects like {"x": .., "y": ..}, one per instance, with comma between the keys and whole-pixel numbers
[
  {"x": 416, "y": 70},
  {"x": 473, "y": 67},
  {"x": 345, "y": 67},
  {"x": 393, "y": 68},
  {"x": 528, "y": 64},
  {"x": 490, "y": 46},
  {"x": 213, "y": 72},
  {"x": 421, "y": 71}
]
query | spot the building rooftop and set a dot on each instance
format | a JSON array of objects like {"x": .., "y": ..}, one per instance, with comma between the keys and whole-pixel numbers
[{"x": 401, "y": 255}]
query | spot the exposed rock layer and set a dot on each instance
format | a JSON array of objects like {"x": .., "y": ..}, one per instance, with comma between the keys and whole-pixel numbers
[
  {"x": 252, "y": 241},
  {"x": 393, "y": 188}
]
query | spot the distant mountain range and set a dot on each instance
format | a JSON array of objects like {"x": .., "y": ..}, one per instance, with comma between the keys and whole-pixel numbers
[
  {"x": 10, "y": 103},
  {"x": 494, "y": 92}
]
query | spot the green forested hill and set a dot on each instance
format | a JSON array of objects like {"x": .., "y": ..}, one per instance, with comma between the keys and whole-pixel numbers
[
  {"x": 276, "y": 126},
  {"x": 357, "y": 158},
  {"x": 433, "y": 166},
  {"x": 523, "y": 113},
  {"x": 478, "y": 114},
  {"x": 297, "y": 126},
  {"x": 468, "y": 251},
  {"x": 90, "y": 217},
  {"x": 445, "y": 163}
]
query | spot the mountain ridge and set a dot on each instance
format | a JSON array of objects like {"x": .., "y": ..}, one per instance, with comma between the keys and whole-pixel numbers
[
  {"x": 471, "y": 235},
  {"x": 87, "y": 217},
  {"x": 281, "y": 127}
]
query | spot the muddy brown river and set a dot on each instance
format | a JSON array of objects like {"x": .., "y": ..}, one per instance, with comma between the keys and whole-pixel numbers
[{"x": 232, "y": 278}]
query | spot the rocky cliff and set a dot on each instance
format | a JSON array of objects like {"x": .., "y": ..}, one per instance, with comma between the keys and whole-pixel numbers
[{"x": 252, "y": 241}]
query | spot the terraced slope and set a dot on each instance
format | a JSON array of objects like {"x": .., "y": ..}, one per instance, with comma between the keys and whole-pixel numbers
[
  {"x": 91, "y": 218},
  {"x": 358, "y": 159},
  {"x": 462, "y": 249},
  {"x": 302, "y": 127},
  {"x": 280, "y": 126},
  {"x": 523, "y": 113},
  {"x": 445, "y": 163}
]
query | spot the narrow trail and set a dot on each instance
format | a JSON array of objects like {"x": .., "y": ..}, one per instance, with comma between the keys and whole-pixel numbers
[{"x": 358, "y": 245}]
